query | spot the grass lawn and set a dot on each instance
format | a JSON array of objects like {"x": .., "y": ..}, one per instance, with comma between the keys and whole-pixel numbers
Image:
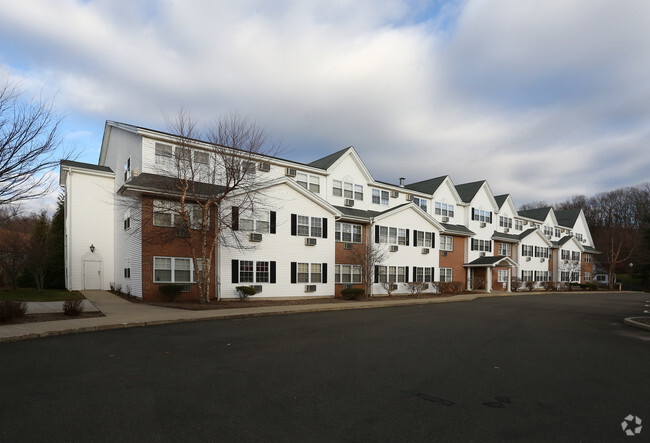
[{"x": 32, "y": 294}]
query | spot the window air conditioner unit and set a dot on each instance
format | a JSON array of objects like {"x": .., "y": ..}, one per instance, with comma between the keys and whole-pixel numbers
[
  {"x": 527, "y": 258},
  {"x": 482, "y": 254},
  {"x": 290, "y": 172},
  {"x": 425, "y": 250},
  {"x": 549, "y": 237},
  {"x": 541, "y": 260},
  {"x": 583, "y": 240},
  {"x": 310, "y": 241},
  {"x": 443, "y": 253},
  {"x": 310, "y": 288},
  {"x": 349, "y": 202},
  {"x": 409, "y": 197},
  {"x": 482, "y": 224},
  {"x": 262, "y": 166},
  {"x": 394, "y": 194},
  {"x": 393, "y": 248},
  {"x": 258, "y": 288},
  {"x": 445, "y": 219},
  {"x": 182, "y": 232},
  {"x": 347, "y": 246},
  {"x": 525, "y": 223},
  {"x": 506, "y": 230},
  {"x": 255, "y": 236}
]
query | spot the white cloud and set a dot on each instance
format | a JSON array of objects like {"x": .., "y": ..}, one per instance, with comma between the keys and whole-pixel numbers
[{"x": 529, "y": 97}]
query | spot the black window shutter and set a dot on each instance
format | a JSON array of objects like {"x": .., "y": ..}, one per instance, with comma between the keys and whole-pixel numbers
[
  {"x": 324, "y": 273},
  {"x": 415, "y": 273},
  {"x": 473, "y": 214},
  {"x": 376, "y": 274},
  {"x": 376, "y": 233},
  {"x": 472, "y": 245},
  {"x": 406, "y": 275},
  {"x": 294, "y": 269},
  {"x": 272, "y": 226},
  {"x": 433, "y": 239},
  {"x": 235, "y": 271},
  {"x": 407, "y": 237},
  {"x": 294, "y": 224},
  {"x": 324, "y": 227},
  {"x": 489, "y": 242},
  {"x": 235, "y": 218},
  {"x": 490, "y": 216},
  {"x": 433, "y": 273},
  {"x": 522, "y": 250},
  {"x": 272, "y": 272},
  {"x": 415, "y": 238}
]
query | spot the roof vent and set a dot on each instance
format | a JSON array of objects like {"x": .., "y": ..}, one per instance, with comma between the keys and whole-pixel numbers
[{"x": 401, "y": 182}]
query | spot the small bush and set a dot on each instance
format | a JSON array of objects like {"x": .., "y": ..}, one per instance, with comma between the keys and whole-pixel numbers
[
  {"x": 515, "y": 284},
  {"x": 450, "y": 287},
  {"x": 352, "y": 293},
  {"x": 415, "y": 287},
  {"x": 549, "y": 285},
  {"x": 530, "y": 285},
  {"x": 11, "y": 309},
  {"x": 390, "y": 287},
  {"x": 73, "y": 308},
  {"x": 171, "y": 290},
  {"x": 245, "y": 291},
  {"x": 589, "y": 286}
]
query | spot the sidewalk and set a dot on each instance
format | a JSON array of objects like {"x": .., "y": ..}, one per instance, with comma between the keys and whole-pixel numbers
[{"x": 120, "y": 313}]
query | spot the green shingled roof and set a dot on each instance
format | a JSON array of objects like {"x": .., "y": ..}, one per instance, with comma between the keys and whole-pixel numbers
[
  {"x": 501, "y": 199},
  {"x": 568, "y": 217},
  {"x": 536, "y": 214},
  {"x": 427, "y": 186},
  {"x": 467, "y": 191},
  {"x": 326, "y": 162},
  {"x": 357, "y": 213}
]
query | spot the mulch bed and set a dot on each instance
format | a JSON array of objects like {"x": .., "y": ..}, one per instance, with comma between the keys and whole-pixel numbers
[{"x": 55, "y": 316}]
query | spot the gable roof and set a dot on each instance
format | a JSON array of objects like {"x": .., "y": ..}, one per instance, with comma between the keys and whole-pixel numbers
[
  {"x": 501, "y": 199},
  {"x": 467, "y": 191},
  {"x": 568, "y": 217},
  {"x": 427, "y": 186},
  {"x": 329, "y": 160},
  {"x": 492, "y": 261},
  {"x": 536, "y": 214},
  {"x": 502, "y": 236},
  {"x": 353, "y": 213},
  {"x": 457, "y": 229}
]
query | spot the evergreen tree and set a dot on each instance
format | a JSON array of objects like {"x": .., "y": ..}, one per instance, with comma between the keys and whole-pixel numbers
[{"x": 55, "y": 276}]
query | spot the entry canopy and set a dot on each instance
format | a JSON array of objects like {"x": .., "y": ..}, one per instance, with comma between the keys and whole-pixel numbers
[{"x": 495, "y": 261}]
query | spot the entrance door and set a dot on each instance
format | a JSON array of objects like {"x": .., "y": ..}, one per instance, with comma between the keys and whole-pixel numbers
[{"x": 92, "y": 274}]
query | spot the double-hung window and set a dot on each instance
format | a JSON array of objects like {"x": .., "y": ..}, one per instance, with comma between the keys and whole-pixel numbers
[
  {"x": 565, "y": 255},
  {"x": 163, "y": 154},
  {"x": 421, "y": 202},
  {"x": 347, "y": 189},
  {"x": 444, "y": 209},
  {"x": 254, "y": 221},
  {"x": 527, "y": 250},
  {"x": 174, "y": 270},
  {"x": 446, "y": 243},
  {"x": 502, "y": 276},
  {"x": 481, "y": 245},
  {"x": 347, "y": 232},
  {"x": 519, "y": 225},
  {"x": 424, "y": 239},
  {"x": 303, "y": 225},
  {"x": 308, "y": 181},
  {"x": 446, "y": 274},
  {"x": 380, "y": 197},
  {"x": 347, "y": 274},
  {"x": 575, "y": 255},
  {"x": 308, "y": 226},
  {"x": 505, "y": 249}
]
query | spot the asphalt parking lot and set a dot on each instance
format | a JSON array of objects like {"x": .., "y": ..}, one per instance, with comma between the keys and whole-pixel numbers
[{"x": 528, "y": 368}]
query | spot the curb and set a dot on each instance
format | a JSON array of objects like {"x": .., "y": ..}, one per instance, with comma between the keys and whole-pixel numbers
[{"x": 632, "y": 322}]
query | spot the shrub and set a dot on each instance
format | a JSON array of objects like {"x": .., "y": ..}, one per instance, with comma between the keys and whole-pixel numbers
[
  {"x": 170, "y": 290},
  {"x": 478, "y": 283},
  {"x": 515, "y": 284},
  {"x": 352, "y": 293},
  {"x": 549, "y": 285},
  {"x": 530, "y": 285},
  {"x": 415, "y": 287},
  {"x": 390, "y": 287},
  {"x": 245, "y": 291},
  {"x": 11, "y": 308},
  {"x": 450, "y": 287},
  {"x": 73, "y": 307}
]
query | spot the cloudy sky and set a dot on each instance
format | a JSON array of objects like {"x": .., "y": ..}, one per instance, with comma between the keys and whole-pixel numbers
[{"x": 543, "y": 99}]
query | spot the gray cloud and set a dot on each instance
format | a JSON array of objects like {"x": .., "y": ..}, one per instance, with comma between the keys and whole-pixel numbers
[{"x": 543, "y": 100}]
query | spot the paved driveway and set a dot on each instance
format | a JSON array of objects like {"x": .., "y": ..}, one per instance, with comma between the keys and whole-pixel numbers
[{"x": 528, "y": 368}]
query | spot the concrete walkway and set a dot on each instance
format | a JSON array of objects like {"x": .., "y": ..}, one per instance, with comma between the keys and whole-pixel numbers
[{"x": 120, "y": 313}]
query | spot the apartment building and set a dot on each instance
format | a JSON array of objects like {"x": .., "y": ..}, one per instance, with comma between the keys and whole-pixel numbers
[{"x": 309, "y": 234}]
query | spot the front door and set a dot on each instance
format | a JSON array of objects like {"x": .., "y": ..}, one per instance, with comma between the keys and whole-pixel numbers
[{"x": 92, "y": 274}]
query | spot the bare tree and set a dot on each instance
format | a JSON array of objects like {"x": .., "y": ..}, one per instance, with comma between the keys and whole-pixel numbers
[
  {"x": 29, "y": 142},
  {"x": 369, "y": 256},
  {"x": 209, "y": 177}
]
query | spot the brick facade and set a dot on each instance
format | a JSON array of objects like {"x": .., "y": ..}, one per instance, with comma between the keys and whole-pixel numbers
[{"x": 455, "y": 260}]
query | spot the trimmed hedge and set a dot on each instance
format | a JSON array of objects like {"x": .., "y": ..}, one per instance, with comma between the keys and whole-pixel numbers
[{"x": 352, "y": 293}]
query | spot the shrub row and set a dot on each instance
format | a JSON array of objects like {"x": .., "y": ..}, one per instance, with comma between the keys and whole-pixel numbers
[{"x": 10, "y": 309}]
